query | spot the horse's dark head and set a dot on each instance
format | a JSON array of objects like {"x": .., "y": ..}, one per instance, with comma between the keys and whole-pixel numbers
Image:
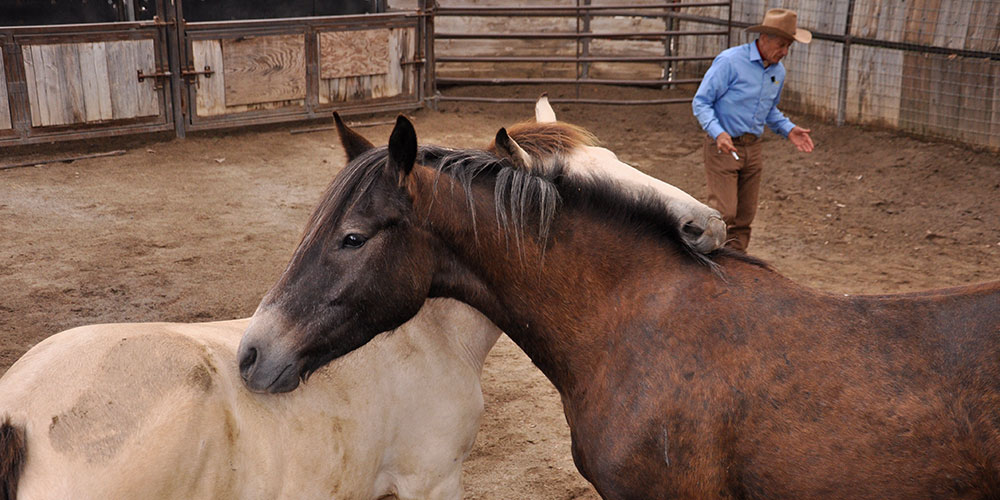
[{"x": 333, "y": 297}]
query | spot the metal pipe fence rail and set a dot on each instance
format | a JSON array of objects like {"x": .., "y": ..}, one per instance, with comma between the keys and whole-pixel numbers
[{"x": 584, "y": 57}]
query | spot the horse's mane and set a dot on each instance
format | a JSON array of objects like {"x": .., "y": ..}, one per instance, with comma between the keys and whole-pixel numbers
[{"x": 526, "y": 201}]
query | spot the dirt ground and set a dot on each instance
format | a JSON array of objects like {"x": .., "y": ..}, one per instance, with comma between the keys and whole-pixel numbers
[{"x": 198, "y": 229}]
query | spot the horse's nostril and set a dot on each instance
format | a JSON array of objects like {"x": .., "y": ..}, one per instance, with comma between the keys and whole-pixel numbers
[
  {"x": 247, "y": 360},
  {"x": 692, "y": 229}
]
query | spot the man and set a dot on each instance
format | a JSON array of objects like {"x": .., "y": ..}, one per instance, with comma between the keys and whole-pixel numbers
[{"x": 737, "y": 97}]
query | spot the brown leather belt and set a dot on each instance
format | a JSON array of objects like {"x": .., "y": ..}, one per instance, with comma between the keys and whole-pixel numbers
[{"x": 745, "y": 139}]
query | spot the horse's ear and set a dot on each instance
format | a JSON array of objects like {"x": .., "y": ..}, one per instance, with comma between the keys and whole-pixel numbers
[
  {"x": 508, "y": 148},
  {"x": 354, "y": 144},
  {"x": 543, "y": 110},
  {"x": 402, "y": 147}
]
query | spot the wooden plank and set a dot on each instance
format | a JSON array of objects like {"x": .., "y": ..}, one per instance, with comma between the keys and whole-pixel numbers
[
  {"x": 147, "y": 98},
  {"x": 976, "y": 83},
  {"x": 122, "y": 79},
  {"x": 879, "y": 19},
  {"x": 931, "y": 100},
  {"x": 952, "y": 24},
  {"x": 53, "y": 78},
  {"x": 994, "y": 142},
  {"x": 34, "y": 99},
  {"x": 393, "y": 79},
  {"x": 873, "y": 86},
  {"x": 96, "y": 86},
  {"x": 984, "y": 29},
  {"x": 946, "y": 92},
  {"x": 5, "y": 120},
  {"x": 915, "y": 102},
  {"x": 210, "y": 92},
  {"x": 354, "y": 53},
  {"x": 921, "y": 21},
  {"x": 264, "y": 69},
  {"x": 77, "y": 110}
]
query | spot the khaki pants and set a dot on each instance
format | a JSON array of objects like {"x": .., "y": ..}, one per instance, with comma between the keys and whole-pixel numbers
[{"x": 733, "y": 186}]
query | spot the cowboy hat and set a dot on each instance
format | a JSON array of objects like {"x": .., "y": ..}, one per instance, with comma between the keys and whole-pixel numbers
[{"x": 782, "y": 22}]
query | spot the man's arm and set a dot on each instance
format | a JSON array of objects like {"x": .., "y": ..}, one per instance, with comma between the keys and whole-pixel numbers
[
  {"x": 779, "y": 123},
  {"x": 713, "y": 85}
]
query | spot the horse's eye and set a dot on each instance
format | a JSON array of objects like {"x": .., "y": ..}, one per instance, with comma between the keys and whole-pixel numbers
[{"x": 354, "y": 240}]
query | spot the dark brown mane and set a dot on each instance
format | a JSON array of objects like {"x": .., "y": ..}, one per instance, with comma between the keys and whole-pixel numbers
[{"x": 544, "y": 140}]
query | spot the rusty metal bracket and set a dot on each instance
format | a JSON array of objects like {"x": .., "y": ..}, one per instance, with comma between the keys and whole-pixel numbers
[
  {"x": 158, "y": 21},
  {"x": 189, "y": 73},
  {"x": 158, "y": 75}
]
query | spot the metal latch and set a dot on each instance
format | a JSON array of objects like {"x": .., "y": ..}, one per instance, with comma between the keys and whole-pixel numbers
[
  {"x": 190, "y": 73},
  {"x": 158, "y": 74}
]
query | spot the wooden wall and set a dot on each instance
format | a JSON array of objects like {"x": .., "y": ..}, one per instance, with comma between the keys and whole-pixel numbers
[{"x": 73, "y": 83}]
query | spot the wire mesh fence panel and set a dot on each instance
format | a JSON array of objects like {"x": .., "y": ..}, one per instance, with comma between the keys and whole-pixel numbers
[{"x": 927, "y": 67}]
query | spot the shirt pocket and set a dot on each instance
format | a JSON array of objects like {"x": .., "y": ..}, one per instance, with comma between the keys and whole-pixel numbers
[{"x": 769, "y": 93}]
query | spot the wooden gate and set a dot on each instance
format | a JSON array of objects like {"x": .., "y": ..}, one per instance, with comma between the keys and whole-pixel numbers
[
  {"x": 83, "y": 80},
  {"x": 247, "y": 72},
  {"x": 76, "y": 81}
]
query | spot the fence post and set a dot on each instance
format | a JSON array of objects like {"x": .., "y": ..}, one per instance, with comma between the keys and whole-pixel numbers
[
  {"x": 845, "y": 62},
  {"x": 173, "y": 15},
  {"x": 430, "y": 71}
]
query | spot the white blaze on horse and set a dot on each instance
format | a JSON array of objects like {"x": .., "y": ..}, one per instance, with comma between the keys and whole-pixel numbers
[{"x": 158, "y": 411}]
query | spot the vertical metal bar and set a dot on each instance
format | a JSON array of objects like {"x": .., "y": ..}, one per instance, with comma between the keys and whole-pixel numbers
[
  {"x": 844, "y": 66},
  {"x": 669, "y": 24},
  {"x": 583, "y": 43},
  {"x": 427, "y": 8},
  {"x": 171, "y": 10},
  {"x": 312, "y": 70},
  {"x": 129, "y": 10},
  {"x": 729, "y": 26}
]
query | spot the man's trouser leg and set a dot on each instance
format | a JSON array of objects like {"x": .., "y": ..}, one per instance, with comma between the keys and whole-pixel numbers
[
  {"x": 747, "y": 194},
  {"x": 733, "y": 187}
]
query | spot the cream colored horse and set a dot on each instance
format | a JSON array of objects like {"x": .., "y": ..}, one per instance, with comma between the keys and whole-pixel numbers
[
  {"x": 158, "y": 411},
  {"x": 701, "y": 226}
]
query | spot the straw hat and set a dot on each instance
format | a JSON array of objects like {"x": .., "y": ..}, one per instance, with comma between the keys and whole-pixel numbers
[{"x": 782, "y": 22}]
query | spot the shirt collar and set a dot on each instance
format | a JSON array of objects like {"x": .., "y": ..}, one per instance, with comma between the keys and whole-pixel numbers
[{"x": 755, "y": 54}]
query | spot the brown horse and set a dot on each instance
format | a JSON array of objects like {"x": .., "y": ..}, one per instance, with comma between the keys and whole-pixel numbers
[{"x": 678, "y": 379}]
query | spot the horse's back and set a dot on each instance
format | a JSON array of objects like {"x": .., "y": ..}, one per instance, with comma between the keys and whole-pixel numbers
[
  {"x": 158, "y": 411},
  {"x": 99, "y": 404}
]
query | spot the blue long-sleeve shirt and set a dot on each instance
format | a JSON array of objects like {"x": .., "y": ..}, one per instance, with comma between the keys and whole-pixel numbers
[{"x": 739, "y": 95}]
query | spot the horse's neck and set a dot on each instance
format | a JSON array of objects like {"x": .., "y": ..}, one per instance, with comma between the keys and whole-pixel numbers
[{"x": 556, "y": 306}]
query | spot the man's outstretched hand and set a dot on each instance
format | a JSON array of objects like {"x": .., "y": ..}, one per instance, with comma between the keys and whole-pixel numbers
[{"x": 800, "y": 137}]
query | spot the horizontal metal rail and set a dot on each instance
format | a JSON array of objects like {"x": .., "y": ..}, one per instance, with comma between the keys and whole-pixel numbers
[
  {"x": 569, "y": 59},
  {"x": 651, "y": 35},
  {"x": 871, "y": 42},
  {"x": 583, "y": 81},
  {"x": 555, "y": 11},
  {"x": 560, "y": 100}
]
